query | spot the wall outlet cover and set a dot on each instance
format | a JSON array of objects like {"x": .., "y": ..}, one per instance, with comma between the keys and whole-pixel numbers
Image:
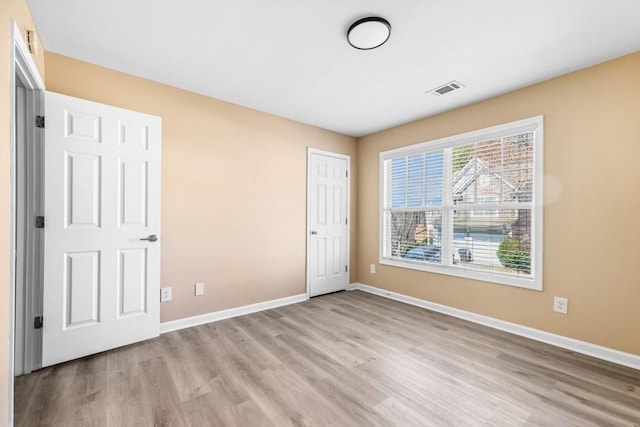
[
  {"x": 199, "y": 289},
  {"x": 560, "y": 305},
  {"x": 165, "y": 294}
]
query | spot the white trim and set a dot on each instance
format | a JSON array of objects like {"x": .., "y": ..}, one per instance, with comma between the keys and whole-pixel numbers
[
  {"x": 494, "y": 278},
  {"x": 535, "y": 124},
  {"x": 523, "y": 125},
  {"x": 29, "y": 203},
  {"x": 188, "y": 322},
  {"x": 538, "y": 200},
  {"x": 22, "y": 63},
  {"x": 20, "y": 306},
  {"x": 23, "y": 60},
  {"x": 582, "y": 347},
  {"x": 346, "y": 157}
]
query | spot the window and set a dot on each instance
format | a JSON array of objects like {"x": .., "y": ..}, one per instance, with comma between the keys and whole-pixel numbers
[
  {"x": 469, "y": 205},
  {"x": 483, "y": 200}
]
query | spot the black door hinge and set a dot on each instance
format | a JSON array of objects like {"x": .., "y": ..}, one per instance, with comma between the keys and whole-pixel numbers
[
  {"x": 40, "y": 122},
  {"x": 346, "y": 268},
  {"x": 37, "y": 322},
  {"x": 39, "y": 222}
]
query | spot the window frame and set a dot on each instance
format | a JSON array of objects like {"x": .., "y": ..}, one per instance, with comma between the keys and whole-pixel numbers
[{"x": 534, "y": 124}]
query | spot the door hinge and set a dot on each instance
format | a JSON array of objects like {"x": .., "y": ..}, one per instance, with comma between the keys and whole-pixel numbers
[
  {"x": 346, "y": 221},
  {"x": 40, "y": 122},
  {"x": 37, "y": 322},
  {"x": 39, "y": 222},
  {"x": 346, "y": 268},
  {"x": 347, "y": 172}
]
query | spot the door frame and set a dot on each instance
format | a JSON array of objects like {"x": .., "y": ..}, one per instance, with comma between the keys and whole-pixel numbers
[
  {"x": 24, "y": 68},
  {"x": 311, "y": 151}
]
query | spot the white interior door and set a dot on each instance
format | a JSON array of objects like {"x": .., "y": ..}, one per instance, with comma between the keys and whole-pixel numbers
[
  {"x": 102, "y": 196},
  {"x": 328, "y": 217}
]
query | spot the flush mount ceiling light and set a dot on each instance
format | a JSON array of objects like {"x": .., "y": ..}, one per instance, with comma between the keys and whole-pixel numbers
[{"x": 369, "y": 33}]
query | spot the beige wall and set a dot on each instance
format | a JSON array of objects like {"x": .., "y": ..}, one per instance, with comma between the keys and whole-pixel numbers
[
  {"x": 9, "y": 10},
  {"x": 591, "y": 216},
  {"x": 233, "y": 188}
]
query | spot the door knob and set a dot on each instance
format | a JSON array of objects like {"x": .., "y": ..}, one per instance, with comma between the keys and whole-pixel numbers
[
  {"x": 151, "y": 238},
  {"x": 313, "y": 232}
]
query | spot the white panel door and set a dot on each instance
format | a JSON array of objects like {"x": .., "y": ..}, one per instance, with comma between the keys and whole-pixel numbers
[
  {"x": 328, "y": 200},
  {"x": 102, "y": 197}
]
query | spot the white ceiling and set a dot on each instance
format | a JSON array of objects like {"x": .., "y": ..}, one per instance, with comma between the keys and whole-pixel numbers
[{"x": 291, "y": 58}]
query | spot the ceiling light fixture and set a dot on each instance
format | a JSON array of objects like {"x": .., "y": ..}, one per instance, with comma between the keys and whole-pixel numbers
[{"x": 369, "y": 33}]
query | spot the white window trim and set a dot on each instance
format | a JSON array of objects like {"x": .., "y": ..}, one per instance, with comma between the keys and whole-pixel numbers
[{"x": 524, "y": 125}]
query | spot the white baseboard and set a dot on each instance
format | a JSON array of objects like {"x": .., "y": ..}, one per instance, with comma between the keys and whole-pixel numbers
[
  {"x": 201, "y": 319},
  {"x": 352, "y": 286},
  {"x": 604, "y": 353}
]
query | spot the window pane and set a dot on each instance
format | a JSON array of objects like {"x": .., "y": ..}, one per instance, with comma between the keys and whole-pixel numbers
[
  {"x": 415, "y": 235},
  {"x": 521, "y": 183},
  {"x": 465, "y": 167},
  {"x": 415, "y": 181},
  {"x": 461, "y": 156},
  {"x": 398, "y": 182},
  {"x": 497, "y": 240},
  {"x": 518, "y": 165},
  {"x": 433, "y": 177},
  {"x": 518, "y": 151},
  {"x": 499, "y": 170},
  {"x": 490, "y": 154},
  {"x": 487, "y": 213}
]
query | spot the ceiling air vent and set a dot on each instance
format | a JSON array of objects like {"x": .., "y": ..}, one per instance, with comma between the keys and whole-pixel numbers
[{"x": 449, "y": 87}]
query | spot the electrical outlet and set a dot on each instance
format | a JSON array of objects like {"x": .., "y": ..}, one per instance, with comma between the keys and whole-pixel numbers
[
  {"x": 560, "y": 305},
  {"x": 372, "y": 269},
  {"x": 165, "y": 294},
  {"x": 199, "y": 289}
]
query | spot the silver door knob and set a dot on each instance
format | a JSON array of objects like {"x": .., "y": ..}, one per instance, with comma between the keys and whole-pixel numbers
[
  {"x": 313, "y": 233},
  {"x": 151, "y": 238}
]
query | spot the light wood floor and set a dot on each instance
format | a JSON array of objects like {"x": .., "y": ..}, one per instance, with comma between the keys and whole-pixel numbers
[{"x": 346, "y": 359}]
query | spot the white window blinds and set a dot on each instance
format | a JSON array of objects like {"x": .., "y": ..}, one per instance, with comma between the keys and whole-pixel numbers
[{"x": 467, "y": 205}]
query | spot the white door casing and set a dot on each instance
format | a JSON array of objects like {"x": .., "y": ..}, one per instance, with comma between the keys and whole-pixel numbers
[
  {"x": 102, "y": 195},
  {"x": 29, "y": 239},
  {"x": 22, "y": 69},
  {"x": 327, "y": 222}
]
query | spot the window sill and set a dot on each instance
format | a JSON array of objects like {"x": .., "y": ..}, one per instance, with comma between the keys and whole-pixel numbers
[{"x": 497, "y": 278}]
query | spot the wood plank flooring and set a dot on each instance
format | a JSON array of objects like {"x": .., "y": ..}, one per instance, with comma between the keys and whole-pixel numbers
[{"x": 345, "y": 359}]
